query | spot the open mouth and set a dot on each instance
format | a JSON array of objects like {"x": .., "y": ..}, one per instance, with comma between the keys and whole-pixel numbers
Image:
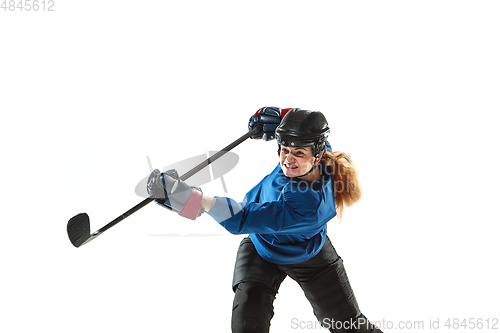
[{"x": 290, "y": 166}]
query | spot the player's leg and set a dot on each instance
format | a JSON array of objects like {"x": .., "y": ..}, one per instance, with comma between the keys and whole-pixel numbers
[
  {"x": 326, "y": 285},
  {"x": 255, "y": 284}
]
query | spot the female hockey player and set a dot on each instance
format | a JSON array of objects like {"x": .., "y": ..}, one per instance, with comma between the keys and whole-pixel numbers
[{"x": 285, "y": 216}]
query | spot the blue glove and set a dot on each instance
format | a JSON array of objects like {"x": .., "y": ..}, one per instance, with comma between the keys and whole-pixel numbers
[
  {"x": 270, "y": 118},
  {"x": 174, "y": 194}
]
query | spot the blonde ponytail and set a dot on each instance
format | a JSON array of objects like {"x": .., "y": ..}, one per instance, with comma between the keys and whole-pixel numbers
[{"x": 347, "y": 190}]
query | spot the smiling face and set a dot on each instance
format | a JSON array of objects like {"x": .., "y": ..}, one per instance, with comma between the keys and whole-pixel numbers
[{"x": 298, "y": 161}]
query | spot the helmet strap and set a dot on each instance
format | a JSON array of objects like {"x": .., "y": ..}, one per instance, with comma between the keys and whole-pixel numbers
[{"x": 312, "y": 169}]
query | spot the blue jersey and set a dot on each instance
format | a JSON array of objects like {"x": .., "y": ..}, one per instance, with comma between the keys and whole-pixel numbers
[{"x": 285, "y": 217}]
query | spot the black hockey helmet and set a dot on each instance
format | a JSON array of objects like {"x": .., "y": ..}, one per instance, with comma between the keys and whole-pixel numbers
[{"x": 303, "y": 128}]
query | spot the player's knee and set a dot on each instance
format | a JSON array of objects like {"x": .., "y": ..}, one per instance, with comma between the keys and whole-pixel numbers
[
  {"x": 253, "y": 306},
  {"x": 253, "y": 297}
]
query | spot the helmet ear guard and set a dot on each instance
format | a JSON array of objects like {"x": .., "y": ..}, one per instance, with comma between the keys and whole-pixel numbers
[{"x": 320, "y": 147}]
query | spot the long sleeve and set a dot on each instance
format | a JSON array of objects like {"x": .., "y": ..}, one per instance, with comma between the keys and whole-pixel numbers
[{"x": 292, "y": 213}]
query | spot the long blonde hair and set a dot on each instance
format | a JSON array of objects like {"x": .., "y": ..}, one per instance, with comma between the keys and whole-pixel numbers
[{"x": 345, "y": 182}]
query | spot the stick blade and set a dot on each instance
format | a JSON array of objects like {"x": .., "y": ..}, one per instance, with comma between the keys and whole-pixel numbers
[{"x": 79, "y": 229}]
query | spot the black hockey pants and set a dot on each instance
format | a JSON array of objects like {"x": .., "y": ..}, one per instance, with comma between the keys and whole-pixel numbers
[{"x": 322, "y": 278}]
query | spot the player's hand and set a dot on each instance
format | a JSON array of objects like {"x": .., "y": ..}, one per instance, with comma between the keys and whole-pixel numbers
[
  {"x": 270, "y": 118},
  {"x": 174, "y": 194}
]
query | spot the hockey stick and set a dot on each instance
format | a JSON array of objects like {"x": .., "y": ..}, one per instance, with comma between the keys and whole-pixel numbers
[{"x": 79, "y": 225}]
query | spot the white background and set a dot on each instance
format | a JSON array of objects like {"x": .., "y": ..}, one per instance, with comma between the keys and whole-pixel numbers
[{"x": 87, "y": 92}]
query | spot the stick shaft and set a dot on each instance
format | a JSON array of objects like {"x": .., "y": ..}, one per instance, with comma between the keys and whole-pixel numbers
[
  {"x": 185, "y": 176},
  {"x": 220, "y": 153},
  {"x": 124, "y": 215}
]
